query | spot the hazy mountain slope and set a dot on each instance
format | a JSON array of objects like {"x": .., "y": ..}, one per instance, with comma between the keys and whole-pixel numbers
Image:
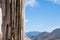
[
  {"x": 56, "y": 31},
  {"x": 54, "y": 35},
  {"x": 42, "y": 36},
  {"x": 32, "y": 34}
]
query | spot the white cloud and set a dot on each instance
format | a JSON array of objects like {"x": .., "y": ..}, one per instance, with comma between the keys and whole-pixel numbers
[
  {"x": 51, "y": 28},
  {"x": 36, "y": 25},
  {"x": 26, "y": 20},
  {"x": 55, "y": 1},
  {"x": 31, "y": 3}
]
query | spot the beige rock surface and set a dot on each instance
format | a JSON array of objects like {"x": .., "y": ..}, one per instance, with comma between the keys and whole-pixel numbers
[
  {"x": 26, "y": 38},
  {"x": 0, "y": 36}
]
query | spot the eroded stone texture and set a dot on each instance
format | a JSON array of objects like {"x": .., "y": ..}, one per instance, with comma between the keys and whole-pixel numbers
[{"x": 6, "y": 20}]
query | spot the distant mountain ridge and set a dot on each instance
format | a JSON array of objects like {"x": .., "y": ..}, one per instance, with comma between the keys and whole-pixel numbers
[
  {"x": 56, "y": 31},
  {"x": 33, "y": 33},
  {"x": 54, "y": 35}
]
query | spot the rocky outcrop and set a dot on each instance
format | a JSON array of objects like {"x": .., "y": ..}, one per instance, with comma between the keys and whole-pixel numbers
[
  {"x": 26, "y": 37},
  {"x": 0, "y": 36}
]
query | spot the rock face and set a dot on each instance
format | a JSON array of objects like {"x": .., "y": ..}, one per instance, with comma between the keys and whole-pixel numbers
[
  {"x": 54, "y": 35},
  {"x": 26, "y": 38},
  {"x": 12, "y": 19},
  {"x": 5, "y": 18},
  {"x": 0, "y": 36}
]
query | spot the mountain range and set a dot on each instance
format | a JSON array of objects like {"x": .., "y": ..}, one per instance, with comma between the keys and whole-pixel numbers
[{"x": 54, "y": 35}]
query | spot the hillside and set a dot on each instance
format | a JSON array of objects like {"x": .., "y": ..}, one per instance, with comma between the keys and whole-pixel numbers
[{"x": 54, "y": 35}]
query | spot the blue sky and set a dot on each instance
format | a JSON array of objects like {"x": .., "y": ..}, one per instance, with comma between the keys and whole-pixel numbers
[{"x": 42, "y": 15}]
